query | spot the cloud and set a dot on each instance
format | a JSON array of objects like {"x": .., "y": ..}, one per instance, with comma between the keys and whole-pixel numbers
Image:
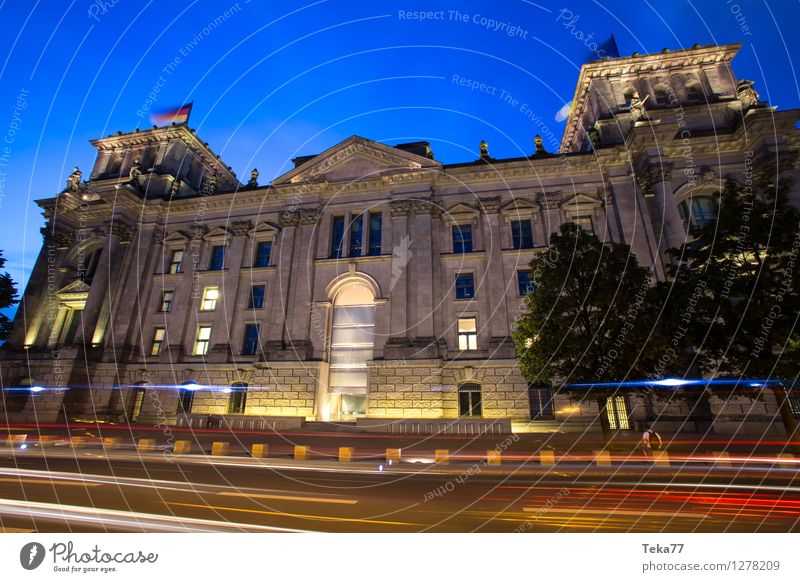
[{"x": 563, "y": 113}]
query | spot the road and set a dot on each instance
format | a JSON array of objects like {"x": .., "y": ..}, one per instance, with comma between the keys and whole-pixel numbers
[{"x": 92, "y": 490}]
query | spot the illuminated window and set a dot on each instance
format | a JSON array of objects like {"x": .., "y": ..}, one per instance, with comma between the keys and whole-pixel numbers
[
  {"x": 524, "y": 283},
  {"x": 263, "y": 253},
  {"x": 175, "y": 262},
  {"x": 465, "y": 286},
  {"x": 617, "y": 411},
  {"x": 541, "y": 401},
  {"x": 159, "y": 335},
  {"x": 794, "y": 403},
  {"x": 467, "y": 333},
  {"x": 375, "y": 228},
  {"x": 202, "y": 340},
  {"x": 522, "y": 234},
  {"x": 237, "y": 402},
  {"x": 210, "y": 296},
  {"x": 703, "y": 210},
  {"x": 356, "y": 235},
  {"x": 256, "y": 300},
  {"x": 462, "y": 238},
  {"x": 250, "y": 344},
  {"x": 217, "y": 258},
  {"x": 166, "y": 301},
  {"x": 469, "y": 399}
]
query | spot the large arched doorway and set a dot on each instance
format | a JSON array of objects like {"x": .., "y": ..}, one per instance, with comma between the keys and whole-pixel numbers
[{"x": 351, "y": 347}]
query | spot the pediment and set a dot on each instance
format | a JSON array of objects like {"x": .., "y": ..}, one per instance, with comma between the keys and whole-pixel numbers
[
  {"x": 176, "y": 238},
  {"x": 356, "y": 158},
  {"x": 519, "y": 206},
  {"x": 74, "y": 294},
  {"x": 582, "y": 200},
  {"x": 263, "y": 230},
  {"x": 218, "y": 234}
]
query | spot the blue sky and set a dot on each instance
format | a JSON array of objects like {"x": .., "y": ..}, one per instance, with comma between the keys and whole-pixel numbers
[{"x": 273, "y": 80}]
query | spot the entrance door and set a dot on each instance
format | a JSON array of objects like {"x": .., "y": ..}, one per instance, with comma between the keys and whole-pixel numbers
[{"x": 352, "y": 346}]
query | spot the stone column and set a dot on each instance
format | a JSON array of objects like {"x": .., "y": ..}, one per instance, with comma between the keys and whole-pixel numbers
[
  {"x": 421, "y": 265},
  {"x": 398, "y": 283},
  {"x": 656, "y": 184},
  {"x": 99, "y": 288},
  {"x": 495, "y": 280},
  {"x": 300, "y": 306},
  {"x": 278, "y": 315}
]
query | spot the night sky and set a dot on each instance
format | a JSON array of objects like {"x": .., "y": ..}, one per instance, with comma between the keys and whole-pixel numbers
[{"x": 274, "y": 80}]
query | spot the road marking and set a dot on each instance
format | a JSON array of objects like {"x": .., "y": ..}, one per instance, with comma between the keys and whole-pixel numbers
[
  {"x": 300, "y": 515},
  {"x": 286, "y": 497},
  {"x": 46, "y": 481},
  {"x": 15, "y": 530}
]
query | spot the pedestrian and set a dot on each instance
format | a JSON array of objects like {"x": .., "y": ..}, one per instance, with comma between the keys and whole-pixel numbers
[{"x": 651, "y": 440}]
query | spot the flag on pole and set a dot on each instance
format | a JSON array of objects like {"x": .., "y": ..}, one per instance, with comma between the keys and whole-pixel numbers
[{"x": 172, "y": 115}]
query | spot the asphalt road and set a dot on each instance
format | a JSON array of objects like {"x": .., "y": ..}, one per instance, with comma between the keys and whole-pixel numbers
[{"x": 89, "y": 490}]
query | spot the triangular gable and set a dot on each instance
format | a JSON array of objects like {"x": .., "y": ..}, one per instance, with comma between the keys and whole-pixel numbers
[
  {"x": 583, "y": 200},
  {"x": 263, "y": 230},
  {"x": 76, "y": 287},
  {"x": 356, "y": 158},
  {"x": 519, "y": 205},
  {"x": 176, "y": 238},
  {"x": 217, "y": 234}
]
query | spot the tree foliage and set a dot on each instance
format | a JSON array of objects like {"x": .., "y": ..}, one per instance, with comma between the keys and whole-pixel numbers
[
  {"x": 8, "y": 297},
  {"x": 737, "y": 280},
  {"x": 590, "y": 317}
]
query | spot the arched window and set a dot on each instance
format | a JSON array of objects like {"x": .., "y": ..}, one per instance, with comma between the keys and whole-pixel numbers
[
  {"x": 469, "y": 399},
  {"x": 186, "y": 396},
  {"x": 694, "y": 92},
  {"x": 237, "y": 402},
  {"x": 697, "y": 211},
  {"x": 662, "y": 94},
  {"x": 352, "y": 345}
]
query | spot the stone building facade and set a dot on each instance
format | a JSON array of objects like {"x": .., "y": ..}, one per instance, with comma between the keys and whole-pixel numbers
[{"x": 371, "y": 282}]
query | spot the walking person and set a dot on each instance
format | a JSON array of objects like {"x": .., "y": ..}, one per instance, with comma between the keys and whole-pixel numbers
[{"x": 651, "y": 441}]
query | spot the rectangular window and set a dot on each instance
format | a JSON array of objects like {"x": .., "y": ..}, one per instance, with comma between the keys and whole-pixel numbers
[
  {"x": 794, "y": 403},
  {"x": 210, "y": 296},
  {"x": 217, "y": 258},
  {"x": 522, "y": 234},
  {"x": 337, "y": 237},
  {"x": 465, "y": 286},
  {"x": 263, "y": 252},
  {"x": 356, "y": 235},
  {"x": 166, "y": 301},
  {"x": 462, "y": 238},
  {"x": 175, "y": 262},
  {"x": 250, "y": 344},
  {"x": 541, "y": 401},
  {"x": 256, "y": 297},
  {"x": 467, "y": 333},
  {"x": 202, "y": 340},
  {"x": 524, "y": 283},
  {"x": 238, "y": 400},
  {"x": 584, "y": 223},
  {"x": 375, "y": 226},
  {"x": 159, "y": 335}
]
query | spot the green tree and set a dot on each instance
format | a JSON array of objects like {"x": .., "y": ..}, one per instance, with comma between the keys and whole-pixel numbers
[
  {"x": 8, "y": 297},
  {"x": 738, "y": 277},
  {"x": 589, "y": 319}
]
